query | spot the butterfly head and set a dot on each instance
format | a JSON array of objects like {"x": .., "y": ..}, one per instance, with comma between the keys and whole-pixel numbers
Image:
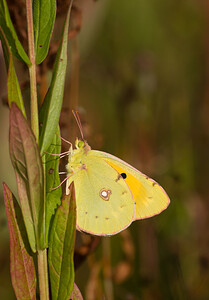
[
  {"x": 82, "y": 146},
  {"x": 77, "y": 156}
]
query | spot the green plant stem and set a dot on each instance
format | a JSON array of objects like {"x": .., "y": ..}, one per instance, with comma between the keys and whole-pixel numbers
[
  {"x": 32, "y": 70},
  {"x": 42, "y": 254},
  {"x": 43, "y": 274}
]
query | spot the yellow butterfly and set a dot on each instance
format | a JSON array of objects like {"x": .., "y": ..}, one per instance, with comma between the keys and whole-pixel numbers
[{"x": 110, "y": 194}]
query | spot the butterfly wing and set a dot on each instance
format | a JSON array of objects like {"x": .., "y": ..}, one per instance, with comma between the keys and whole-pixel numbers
[
  {"x": 150, "y": 197},
  {"x": 105, "y": 204}
]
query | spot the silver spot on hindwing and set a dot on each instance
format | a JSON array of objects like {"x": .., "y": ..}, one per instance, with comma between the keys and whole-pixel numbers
[{"x": 105, "y": 194}]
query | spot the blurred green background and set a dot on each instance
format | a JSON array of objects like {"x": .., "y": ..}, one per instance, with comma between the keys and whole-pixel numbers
[{"x": 143, "y": 96}]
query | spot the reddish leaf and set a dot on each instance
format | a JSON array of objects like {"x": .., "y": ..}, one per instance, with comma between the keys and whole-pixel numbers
[
  {"x": 27, "y": 163},
  {"x": 76, "y": 294},
  {"x": 21, "y": 262}
]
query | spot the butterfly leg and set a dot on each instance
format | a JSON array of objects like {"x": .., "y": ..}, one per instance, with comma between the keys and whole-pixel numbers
[
  {"x": 62, "y": 182},
  {"x": 64, "y": 153}
]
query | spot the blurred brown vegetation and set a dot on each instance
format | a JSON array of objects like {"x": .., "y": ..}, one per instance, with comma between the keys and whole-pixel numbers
[{"x": 139, "y": 74}]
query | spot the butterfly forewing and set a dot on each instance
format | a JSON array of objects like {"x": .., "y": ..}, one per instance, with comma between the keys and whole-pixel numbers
[
  {"x": 150, "y": 197},
  {"x": 105, "y": 204}
]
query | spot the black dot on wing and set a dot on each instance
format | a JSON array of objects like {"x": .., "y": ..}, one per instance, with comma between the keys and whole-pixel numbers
[
  {"x": 96, "y": 217},
  {"x": 124, "y": 175}
]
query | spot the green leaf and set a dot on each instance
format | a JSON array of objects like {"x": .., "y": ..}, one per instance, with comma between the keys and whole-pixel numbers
[
  {"x": 50, "y": 111},
  {"x": 14, "y": 92},
  {"x": 22, "y": 268},
  {"x": 76, "y": 294},
  {"x": 27, "y": 164},
  {"x": 53, "y": 197},
  {"x": 44, "y": 12},
  {"x": 9, "y": 31},
  {"x": 61, "y": 248}
]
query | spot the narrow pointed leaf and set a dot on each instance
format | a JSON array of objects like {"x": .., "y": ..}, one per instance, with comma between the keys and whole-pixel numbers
[
  {"x": 61, "y": 248},
  {"x": 44, "y": 12},
  {"x": 22, "y": 268},
  {"x": 14, "y": 92},
  {"x": 53, "y": 196},
  {"x": 50, "y": 111},
  {"x": 76, "y": 294},
  {"x": 27, "y": 164},
  {"x": 13, "y": 87},
  {"x": 9, "y": 31}
]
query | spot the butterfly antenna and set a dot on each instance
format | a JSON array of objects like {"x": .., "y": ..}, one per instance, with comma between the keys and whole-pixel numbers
[{"x": 78, "y": 121}]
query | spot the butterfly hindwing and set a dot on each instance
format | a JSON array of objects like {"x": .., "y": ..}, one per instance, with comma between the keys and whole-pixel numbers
[
  {"x": 149, "y": 196},
  {"x": 105, "y": 204}
]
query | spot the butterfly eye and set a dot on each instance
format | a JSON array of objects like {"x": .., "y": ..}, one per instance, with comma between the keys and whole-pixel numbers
[
  {"x": 123, "y": 175},
  {"x": 80, "y": 144}
]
